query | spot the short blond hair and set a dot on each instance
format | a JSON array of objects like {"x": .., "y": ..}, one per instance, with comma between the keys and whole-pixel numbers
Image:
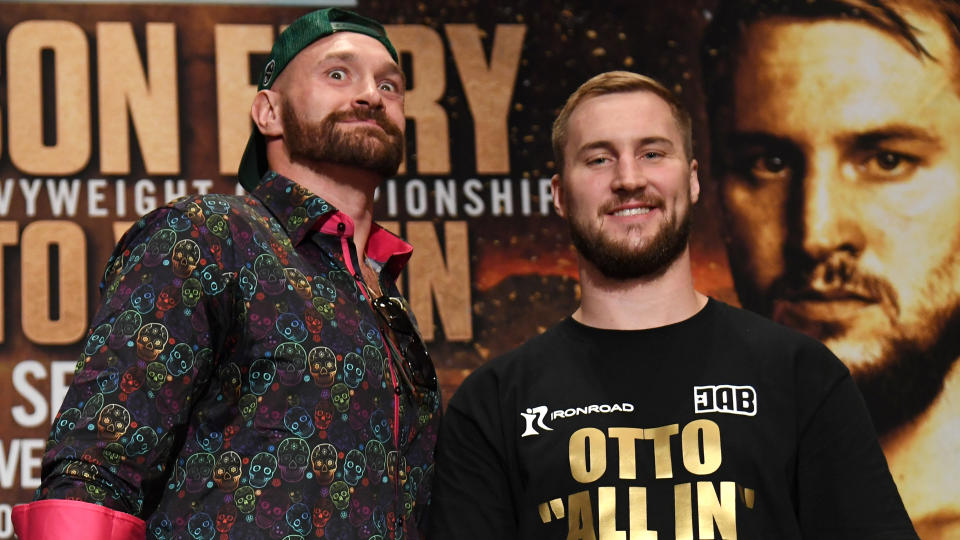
[{"x": 615, "y": 82}]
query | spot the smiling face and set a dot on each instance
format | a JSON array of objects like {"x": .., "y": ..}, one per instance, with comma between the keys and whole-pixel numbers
[
  {"x": 843, "y": 187},
  {"x": 342, "y": 102},
  {"x": 627, "y": 185}
]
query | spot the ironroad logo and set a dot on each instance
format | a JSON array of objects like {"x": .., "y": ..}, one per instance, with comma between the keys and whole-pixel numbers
[
  {"x": 535, "y": 414},
  {"x": 535, "y": 417},
  {"x": 724, "y": 398}
]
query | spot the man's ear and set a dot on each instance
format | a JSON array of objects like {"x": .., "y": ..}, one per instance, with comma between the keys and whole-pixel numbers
[
  {"x": 266, "y": 114},
  {"x": 694, "y": 182},
  {"x": 556, "y": 189}
]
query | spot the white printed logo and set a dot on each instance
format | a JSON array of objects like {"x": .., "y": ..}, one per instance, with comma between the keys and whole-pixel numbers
[
  {"x": 539, "y": 415},
  {"x": 725, "y": 398},
  {"x": 535, "y": 414}
]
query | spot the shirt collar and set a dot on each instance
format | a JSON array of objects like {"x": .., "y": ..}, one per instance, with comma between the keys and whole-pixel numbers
[{"x": 299, "y": 211}]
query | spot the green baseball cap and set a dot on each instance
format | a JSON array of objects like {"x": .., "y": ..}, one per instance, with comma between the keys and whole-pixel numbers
[{"x": 304, "y": 31}]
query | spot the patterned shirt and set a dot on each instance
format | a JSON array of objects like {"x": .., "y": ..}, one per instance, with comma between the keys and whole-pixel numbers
[{"x": 236, "y": 382}]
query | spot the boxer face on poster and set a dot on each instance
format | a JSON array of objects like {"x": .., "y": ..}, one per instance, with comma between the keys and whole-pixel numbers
[{"x": 841, "y": 186}]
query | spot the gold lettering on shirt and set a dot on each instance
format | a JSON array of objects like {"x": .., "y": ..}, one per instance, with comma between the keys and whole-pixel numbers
[
  {"x": 607, "y": 505},
  {"x": 683, "y": 512},
  {"x": 708, "y": 460},
  {"x": 722, "y": 510},
  {"x": 544, "y": 510},
  {"x": 627, "y": 438},
  {"x": 747, "y": 495},
  {"x": 557, "y": 506},
  {"x": 588, "y": 455},
  {"x": 702, "y": 510},
  {"x": 661, "y": 448},
  {"x": 638, "y": 515},
  {"x": 580, "y": 522}
]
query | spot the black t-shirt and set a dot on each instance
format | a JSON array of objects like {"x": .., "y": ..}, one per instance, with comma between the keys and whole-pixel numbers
[{"x": 725, "y": 425}]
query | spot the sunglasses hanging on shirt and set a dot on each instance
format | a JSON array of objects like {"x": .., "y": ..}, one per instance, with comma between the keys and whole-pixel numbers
[{"x": 414, "y": 364}]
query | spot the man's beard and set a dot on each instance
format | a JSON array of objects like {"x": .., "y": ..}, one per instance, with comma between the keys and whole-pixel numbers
[
  {"x": 905, "y": 385},
  {"x": 908, "y": 372},
  {"x": 620, "y": 260},
  {"x": 325, "y": 141}
]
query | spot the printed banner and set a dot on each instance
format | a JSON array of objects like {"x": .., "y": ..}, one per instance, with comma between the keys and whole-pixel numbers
[{"x": 827, "y": 165}]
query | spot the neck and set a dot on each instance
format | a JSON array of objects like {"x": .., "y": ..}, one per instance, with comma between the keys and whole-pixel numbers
[
  {"x": 636, "y": 304},
  {"x": 922, "y": 459},
  {"x": 348, "y": 189}
]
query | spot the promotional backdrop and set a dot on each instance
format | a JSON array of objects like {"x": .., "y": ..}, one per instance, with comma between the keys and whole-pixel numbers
[{"x": 107, "y": 111}]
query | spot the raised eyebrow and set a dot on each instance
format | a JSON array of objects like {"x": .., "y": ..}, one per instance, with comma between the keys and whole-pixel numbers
[
  {"x": 390, "y": 69},
  {"x": 343, "y": 56},
  {"x": 393, "y": 70}
]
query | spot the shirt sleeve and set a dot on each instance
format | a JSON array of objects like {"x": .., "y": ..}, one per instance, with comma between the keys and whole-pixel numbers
[
  {"x": 845, "y": 489},
  {"x": 471, "y": 496},
  {"x": 147, "y": 356}
]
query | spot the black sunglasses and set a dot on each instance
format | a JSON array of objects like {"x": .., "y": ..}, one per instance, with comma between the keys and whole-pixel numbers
[{"x": 415, "y": 366}]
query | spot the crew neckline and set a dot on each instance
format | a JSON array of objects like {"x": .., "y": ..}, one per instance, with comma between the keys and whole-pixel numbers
[{"x": 580, "y": 331}]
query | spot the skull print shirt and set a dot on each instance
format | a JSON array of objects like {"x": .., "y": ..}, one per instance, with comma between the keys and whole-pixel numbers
[{"x": 236, "y": 382}]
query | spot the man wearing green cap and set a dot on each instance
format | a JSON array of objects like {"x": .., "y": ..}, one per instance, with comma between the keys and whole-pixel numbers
[{"x": 252, "y": 370}]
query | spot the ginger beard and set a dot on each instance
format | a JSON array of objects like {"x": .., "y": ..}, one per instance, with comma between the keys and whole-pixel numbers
[
  {"x": 361, "y": 146},
  {"x": 622, "y": 258}
]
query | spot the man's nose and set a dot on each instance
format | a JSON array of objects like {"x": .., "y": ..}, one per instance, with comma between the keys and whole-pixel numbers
[
  {"x": 629, "y": 175},
  {"x": 828, "y": 218},
  {"x": 368, "y": 95}
]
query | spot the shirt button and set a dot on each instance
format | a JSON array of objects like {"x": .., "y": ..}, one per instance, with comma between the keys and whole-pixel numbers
[
  {"x": 398, "y": 390},
  {"x": 400, "y": 522},
  {"x": 357, "y": 276},
  {"x": 341, "y": 227}
]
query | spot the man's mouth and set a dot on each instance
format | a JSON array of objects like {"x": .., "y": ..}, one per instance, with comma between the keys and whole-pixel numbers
[
  {"x": 639, "y": 211},
  {"x": 639, "y": 205},
  {"x": 371, "y": 121},
  {"x": 824, "y": 312},
  {"x": 366, "y": 118},
  {"x": 367, "y": 122},
  {"x": 830, "y": 294}
]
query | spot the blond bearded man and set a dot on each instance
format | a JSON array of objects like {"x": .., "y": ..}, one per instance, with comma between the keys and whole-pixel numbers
[{"x": 654, "y": 411}]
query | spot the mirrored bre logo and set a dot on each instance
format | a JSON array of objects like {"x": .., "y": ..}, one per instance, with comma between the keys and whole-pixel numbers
[{"x": 725, "y": 398}]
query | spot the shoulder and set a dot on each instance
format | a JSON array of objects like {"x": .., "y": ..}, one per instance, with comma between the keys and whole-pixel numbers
[
  {"x": 201, "y": 229},
  {"x": 798, "y": 365},
  {"x": 195, "y": 214},
  {"x": 765, "y": 335},
  {"x": 202, "y": 208},
  {"x": 509, "y": 375},
  {"x": 532, "y": 355}
]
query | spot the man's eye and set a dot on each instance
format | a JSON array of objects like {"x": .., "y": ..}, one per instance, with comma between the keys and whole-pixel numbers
[
  {"x": 388, "y": 86},
  {"x": 602, "y": 160},
  {"x": 767, "y": 167},
  {"x": 772, "y": 164},
  {"x": 651, "y": 155},
  {"x": 337, "y": 74},
  {"x": 888, "y": 165},
  {"x": 888, "y": 161}
]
